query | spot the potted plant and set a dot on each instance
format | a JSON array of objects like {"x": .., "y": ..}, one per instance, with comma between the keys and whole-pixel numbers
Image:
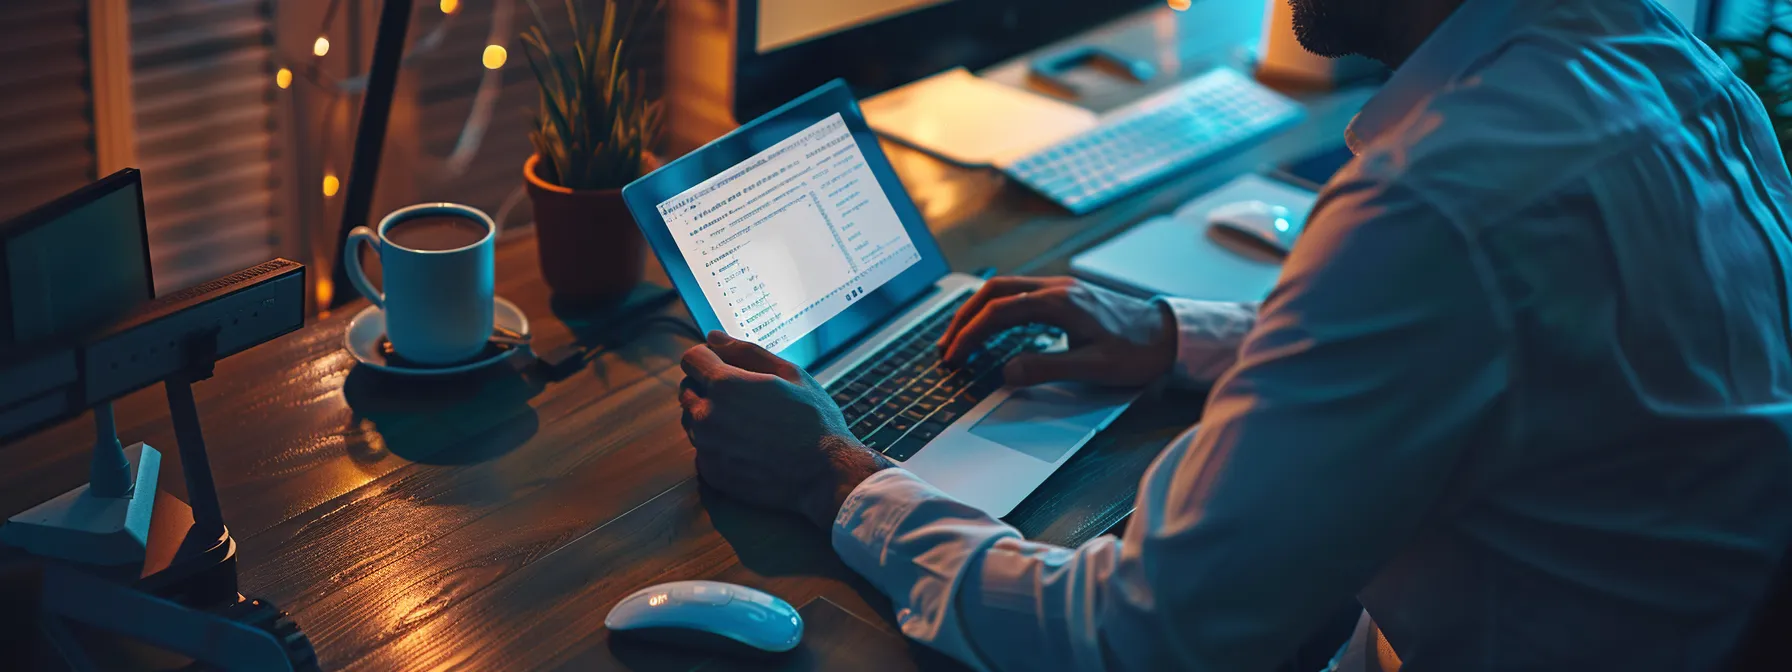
[
  {"x": 593, "y": 127},
  {"x": 1761, "y": 54}
]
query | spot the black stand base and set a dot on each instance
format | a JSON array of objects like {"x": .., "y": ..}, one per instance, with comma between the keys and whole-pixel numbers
[{"x": 184, "y": 564}]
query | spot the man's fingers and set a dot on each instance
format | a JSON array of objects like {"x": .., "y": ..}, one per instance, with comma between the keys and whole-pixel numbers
[
  {"x": 702, "y": 364},
  {"x": 749, "y": 356},
  {"x": 993, "y": 289},
  {"x": 1080, "y": 365},
  {"x": 997, "y": 317},
  {"x": 696, "y": 408},
  {"x": 688, "y": 395}
]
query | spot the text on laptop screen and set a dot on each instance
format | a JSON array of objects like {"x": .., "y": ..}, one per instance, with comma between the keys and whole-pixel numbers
[{"x": 784, "y": 241}]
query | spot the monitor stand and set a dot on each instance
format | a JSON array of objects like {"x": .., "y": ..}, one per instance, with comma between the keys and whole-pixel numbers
[
  {"x": 104, "y": 522},
  {"x": 141, "y": 536},
  {"x": 80, "y": 526}
]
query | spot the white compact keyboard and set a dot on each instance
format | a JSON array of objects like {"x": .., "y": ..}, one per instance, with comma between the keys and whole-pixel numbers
[{"x": 1142, "y": 143}]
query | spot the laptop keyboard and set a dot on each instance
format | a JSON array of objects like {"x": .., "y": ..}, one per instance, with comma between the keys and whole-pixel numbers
[{"x": 904, "y": 396}]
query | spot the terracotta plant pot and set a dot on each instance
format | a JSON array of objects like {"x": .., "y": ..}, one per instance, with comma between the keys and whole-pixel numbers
[{"x": 591, "y": 251}]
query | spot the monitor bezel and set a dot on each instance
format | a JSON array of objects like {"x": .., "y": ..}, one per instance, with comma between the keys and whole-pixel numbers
[
  {"x": 863, "y": 316},
  {"x": 889, "y": 52}
]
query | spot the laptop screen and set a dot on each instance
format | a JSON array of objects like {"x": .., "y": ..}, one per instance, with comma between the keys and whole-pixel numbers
[
  {"x": 793, "y": 231},
  {"x": 787, "y": 239}
]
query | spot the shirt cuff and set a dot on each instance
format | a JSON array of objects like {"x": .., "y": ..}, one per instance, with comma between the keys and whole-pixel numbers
[
  {"x": 871, "y": 512},
  {"x": 916, "y": 544},
  {"x": 1209, "y": 334}
]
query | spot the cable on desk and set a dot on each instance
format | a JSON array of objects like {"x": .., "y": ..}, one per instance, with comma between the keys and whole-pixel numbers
[
  {"x": 683, "y": 326},
  {"x": 573, "y": 357}
]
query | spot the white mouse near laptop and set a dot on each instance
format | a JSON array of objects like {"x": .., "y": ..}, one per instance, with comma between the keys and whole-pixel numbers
[
  {"x": 1256, "y": 225},
  {"x": 709, "y": 616}
]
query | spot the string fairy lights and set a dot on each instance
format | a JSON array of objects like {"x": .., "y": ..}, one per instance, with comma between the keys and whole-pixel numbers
[{"x": 492, "y": 58}]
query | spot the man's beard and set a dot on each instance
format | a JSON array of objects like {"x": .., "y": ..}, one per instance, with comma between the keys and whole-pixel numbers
[{"x": 1334, "y": 28}]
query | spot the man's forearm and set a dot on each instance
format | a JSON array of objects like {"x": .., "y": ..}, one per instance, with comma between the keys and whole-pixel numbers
[
  {"x": 1029, "y": 606},
  {"x": 971, "y": 587}
]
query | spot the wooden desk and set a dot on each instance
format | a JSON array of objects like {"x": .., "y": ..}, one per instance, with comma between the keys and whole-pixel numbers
[{"x": 490, "y": 522}]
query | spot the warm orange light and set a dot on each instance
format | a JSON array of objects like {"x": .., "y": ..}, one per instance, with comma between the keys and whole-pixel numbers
[
  {"x": 283, "y": 78},
  {"x": 448, "y": 6},
  {"x": 656, "y": 600},
  {"x": 494, "y": 57},
  {"x": 1179, "y": 5},
  {"x": 326, "y": 290},
  {"x": 321, "y": 46},
  {"x": 331, "y": 185}
]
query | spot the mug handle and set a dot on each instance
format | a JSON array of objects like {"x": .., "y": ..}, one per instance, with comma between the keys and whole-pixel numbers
[{"x": 351, "y": 259}]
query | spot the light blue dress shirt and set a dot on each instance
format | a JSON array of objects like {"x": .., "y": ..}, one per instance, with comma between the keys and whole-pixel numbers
[{"x": 1524, "y": 389}]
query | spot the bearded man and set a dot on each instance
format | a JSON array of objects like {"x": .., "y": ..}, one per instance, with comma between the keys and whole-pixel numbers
[{"x": 1524, "y": 389}]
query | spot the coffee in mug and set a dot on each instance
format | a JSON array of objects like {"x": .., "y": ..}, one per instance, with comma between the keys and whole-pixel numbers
[
  {"x": 436, "y": 233},
  {"x": 436, "y": 261}
]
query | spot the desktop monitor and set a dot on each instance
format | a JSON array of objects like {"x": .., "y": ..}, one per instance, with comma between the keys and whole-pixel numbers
[
  {"x": 784, "y": 48},
  {"x": 68, "y": 270},
  {"x": 79, "y": 320}
]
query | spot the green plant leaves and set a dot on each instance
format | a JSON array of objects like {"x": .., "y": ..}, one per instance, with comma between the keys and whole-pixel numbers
[{"x": 594, "y": 121}]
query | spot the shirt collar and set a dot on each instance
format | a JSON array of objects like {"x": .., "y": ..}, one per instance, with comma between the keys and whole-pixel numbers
[{"x": 1476, "y": 29}]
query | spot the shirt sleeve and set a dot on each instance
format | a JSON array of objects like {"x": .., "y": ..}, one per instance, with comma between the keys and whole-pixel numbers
[
  {"x": 1375, "y": 364},
  {"x": 1209, "y": 334}
]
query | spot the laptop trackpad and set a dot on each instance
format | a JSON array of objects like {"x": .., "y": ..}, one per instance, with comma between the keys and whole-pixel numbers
[{"x": 1043, "y": 421}]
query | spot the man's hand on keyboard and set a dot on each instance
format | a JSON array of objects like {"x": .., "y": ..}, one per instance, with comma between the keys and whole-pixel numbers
[
  {"x": 1114, "y": 339},
  {"x": 767, "y": 433}
]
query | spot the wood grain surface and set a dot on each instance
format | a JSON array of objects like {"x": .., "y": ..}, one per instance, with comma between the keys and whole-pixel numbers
[{"x": 490, "y": 522}]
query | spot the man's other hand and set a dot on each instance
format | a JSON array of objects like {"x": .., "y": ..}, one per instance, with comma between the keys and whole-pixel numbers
[
  {"x": 1114, "y": 339},
  {"x": 767, "y": 433}
]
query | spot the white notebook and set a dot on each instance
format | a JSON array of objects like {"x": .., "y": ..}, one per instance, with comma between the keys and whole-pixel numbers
[
  {"x": 1173, "y": 255},
  {"x": 971, "y": 121}
]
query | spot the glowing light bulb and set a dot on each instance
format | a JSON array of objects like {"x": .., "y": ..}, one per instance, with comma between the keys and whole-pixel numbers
[
  {"x": 448, "y": 6},
  {"x": 283, "y": 78},
  {"x": 1180, "y": 5},
  {"x": 331, "y": 185},
  {"x": 494, "y": 57},
  {"x": 321, "y": 46}
]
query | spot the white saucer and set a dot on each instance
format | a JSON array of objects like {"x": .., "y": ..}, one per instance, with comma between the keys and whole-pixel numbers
[{"x": 369, "y": 327}]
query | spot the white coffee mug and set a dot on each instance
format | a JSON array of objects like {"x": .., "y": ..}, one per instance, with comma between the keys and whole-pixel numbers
[{"x": 438, "y": 303}]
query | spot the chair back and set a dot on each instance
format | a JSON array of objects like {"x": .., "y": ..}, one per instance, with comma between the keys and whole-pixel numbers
[{"x": 1767, "y": 644}]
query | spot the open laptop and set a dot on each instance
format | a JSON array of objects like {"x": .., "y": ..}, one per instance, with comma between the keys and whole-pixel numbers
[{"x": 793, "y": 232}]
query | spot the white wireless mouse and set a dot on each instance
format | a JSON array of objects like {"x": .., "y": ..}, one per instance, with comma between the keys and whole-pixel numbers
[
  {"x": 708, "y": 615},
  {"x": 1256, "y": 224}
]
